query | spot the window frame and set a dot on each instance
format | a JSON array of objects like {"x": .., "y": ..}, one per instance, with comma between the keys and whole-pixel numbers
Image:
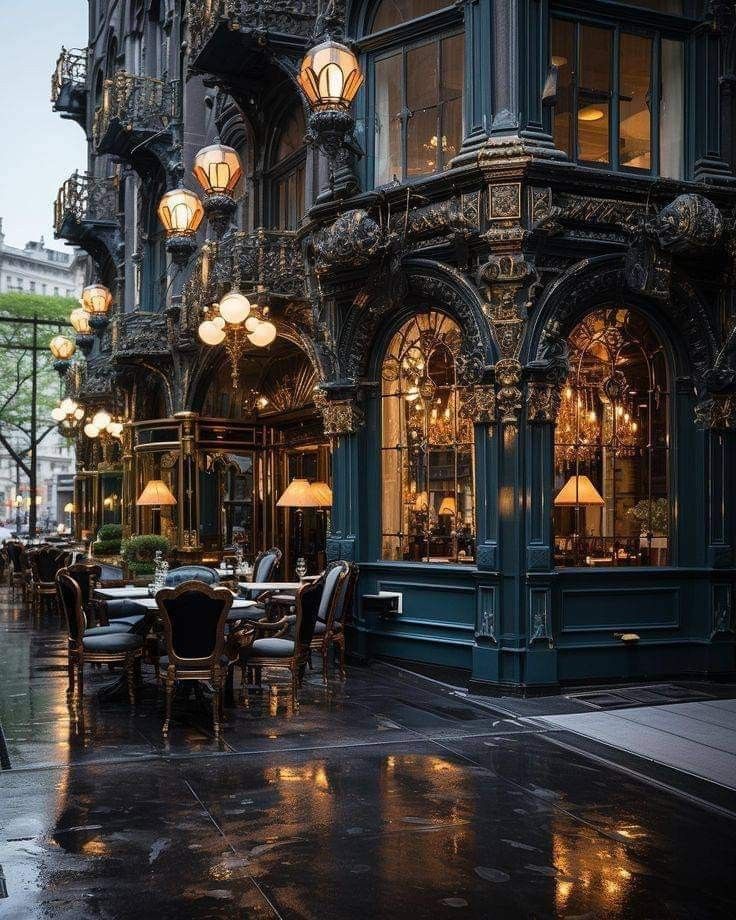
[{"x": 640, "y": 21}]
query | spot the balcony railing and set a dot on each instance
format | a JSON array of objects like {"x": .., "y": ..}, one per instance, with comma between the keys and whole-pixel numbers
[
  {"x": 85, "y": 198},
  {"x": 134, "y": 103},
  {"x": 285, "y": 17},
  {"x": 70, "y": 71}
]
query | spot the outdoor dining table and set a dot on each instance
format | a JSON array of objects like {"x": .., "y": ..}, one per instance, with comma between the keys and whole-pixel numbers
[
  {"x": 127, "y": 592},
  {"x": 269, "y": 585}
]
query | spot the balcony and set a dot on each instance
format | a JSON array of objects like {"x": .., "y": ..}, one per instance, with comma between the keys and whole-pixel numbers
[
  {"x": 69, "y": 85},
  {"x": 86, "y": 215},
  {"x": 219, "y": 30},
  {"x": 134, "y": 109},
  {"x": 139, "y": 336}
]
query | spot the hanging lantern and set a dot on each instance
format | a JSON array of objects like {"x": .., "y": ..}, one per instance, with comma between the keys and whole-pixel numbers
[
  {"x": 96, "y": 301},
  {"x": 329, "y": 76},
  {"x": 217, "y": 169},
  {"x": 79, "y": 320},
  {"x": 181, "y": 212},
  {"x": 62, "y": 350}
]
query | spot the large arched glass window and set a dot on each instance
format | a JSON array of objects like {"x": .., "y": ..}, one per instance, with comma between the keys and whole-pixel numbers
[
  {"x": 427, "y": 467},
  {"x": 611, "y": 503},
  {"x": 416, "y": 89},
  {"x": 287, "y": 174}
]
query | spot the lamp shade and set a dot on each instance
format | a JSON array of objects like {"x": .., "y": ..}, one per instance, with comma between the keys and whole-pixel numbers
[
  {"x": 447, "y": 507},
  {"x": 323, "y": 493},
  {"x": 263, "y": 335},
  {"x": 79, "y": 319},
  {"x": 421, "y": 503},
  {"x": 330, "y": 76},
  {"x": 96, "y": 300},
  {"x": 101, "y": 419},
  {"x": 299, "y": 494},
  {"x": 155, "y": 494},
  {"x": 62, "y": 348},
  {"x": 578, "y": 490},
  {"x": 180, "y": 211},
  {"x": 234, "y": 307},
  {"x": 69, "y": 508},
  {"x": 217, "y": 169}
]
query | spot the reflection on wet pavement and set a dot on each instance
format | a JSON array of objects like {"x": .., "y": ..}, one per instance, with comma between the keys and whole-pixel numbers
[{"x": 384, "y": 797}]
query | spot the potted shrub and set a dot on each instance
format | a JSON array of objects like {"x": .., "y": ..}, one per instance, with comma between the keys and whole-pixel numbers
[
  {"x": 139, "y": 553},
  {"x": 108, "y": 540}
]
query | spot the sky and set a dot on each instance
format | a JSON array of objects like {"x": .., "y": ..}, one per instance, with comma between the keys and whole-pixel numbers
[{"x": 38, "y": 149}]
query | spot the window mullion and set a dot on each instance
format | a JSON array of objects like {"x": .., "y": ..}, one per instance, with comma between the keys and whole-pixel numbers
[
  {"x": 614, "y": 120},
  {"x": 405, "y": 115},
  {"x": 655, "y": 95}
]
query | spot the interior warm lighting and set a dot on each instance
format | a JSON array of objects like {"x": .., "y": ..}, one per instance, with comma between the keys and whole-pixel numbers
[
  {"x": 559, "y": 60},
  {"x": 79, "y": 320},
  {"x": 234, "y": 308},
  {"x": 264, "y": 334},
  {"x": 590, "y": 113},
  {"x": 447, "y": 508},
  {"x": 156, "y": 494},
  {"x": 330, "y": 76},
  {"x": 62, "y": 348},
  {"x": 69, "y": 508},
  {"x": 299, "y": 494},
  {"x": 217, "y": 169},
  {"x": 96, "y": 299},
  {"x": 181, "y": 212},
  {"x": 578, "y": 490},
  {"x": 323, "y": 494},
  {"x": 421, "y": 503}
]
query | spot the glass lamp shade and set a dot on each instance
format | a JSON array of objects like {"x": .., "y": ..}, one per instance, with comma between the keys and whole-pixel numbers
[
  {"x": 92, "y": 431},
  {"x": 68, "y": 406},
  {"x": 323, "y": 494},
  {"x": 79, "y": 413},
  {"x": 96, "y": 299},
  {"x": 62, "y": 348},
  {"x": 79, "y": 320},
  {"x": 329, "y": 76},
  {"x": 69, "y": 508},
  {"x": 447, "y": 507},
  {"x": 210, "y": 333},
  {"x": 155, "y": 494},
  {"x": 101, "y": 419},
  {"x": 252, "y": 322},
  {"x": 421, "y": 503},
  {"x": 298, "y": 494},
  {"x": 115, "y": 429},
  {"x": 181, "y": 212},
  {"x": 218, "y": 321},
  {"x": 264, "y": 334},
  {"x": 217, "y": 169},
  {"x": 578, "y": 490},
  {"x": 58, "y": 414},
  {"x": 234, "y": 308}
]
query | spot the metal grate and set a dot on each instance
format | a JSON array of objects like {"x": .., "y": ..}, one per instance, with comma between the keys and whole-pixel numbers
[{"x": 653, "y": 695}]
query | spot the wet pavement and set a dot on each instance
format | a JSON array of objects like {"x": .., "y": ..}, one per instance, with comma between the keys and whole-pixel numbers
[{"x": 386, "y": 796}]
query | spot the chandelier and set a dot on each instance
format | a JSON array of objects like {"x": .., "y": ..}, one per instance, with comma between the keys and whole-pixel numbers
[
  {"x": 102, "y": 424},
  {"x": 68, "y": 415}
]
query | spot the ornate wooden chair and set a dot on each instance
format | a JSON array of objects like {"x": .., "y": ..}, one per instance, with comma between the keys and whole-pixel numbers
[
  {"x": 329, "y": 629},
  {"x": 45, "y": 563},
  {"x": 87, "y": 575},
  {"x": 194, "y": 616},
  {"x": 20, "y": 573},
  {"x": 264, "y": 568},
  {"x": 102, "y": 645}
]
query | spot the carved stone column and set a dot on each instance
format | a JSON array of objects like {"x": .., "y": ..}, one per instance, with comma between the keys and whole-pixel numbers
[
  {"x": 128, "y": 487},
  {"x": 188, "y": 522}
]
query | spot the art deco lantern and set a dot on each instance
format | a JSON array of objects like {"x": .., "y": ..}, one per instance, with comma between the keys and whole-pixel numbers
[
  {"x": 96, "y": 300},
  {"x": 181, "y": 213},
  {"x": 218, "y": 170},
  {"x": 79, "y": 320},
  {"x": 62, "y": 350}
]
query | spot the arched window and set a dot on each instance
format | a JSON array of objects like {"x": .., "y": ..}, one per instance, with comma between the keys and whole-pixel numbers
[
  {"x": 427, "y": 464},
  {"x": 416, "y": 93},
  {"x": 611, "y": 505},
  {"x": 287, "y": 174}
]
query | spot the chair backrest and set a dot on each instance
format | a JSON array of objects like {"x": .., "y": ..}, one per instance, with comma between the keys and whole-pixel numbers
[
  {"x": 343, "y": 609},
  {"x": 70, "y": 598},
  {"x": 194, "y": 616},
  {"x": 184, "y": 573},
  {"x": 87, "y": 576},
  {"x": 308, "y": 599},
  {"x": 17, "y": 555},
  {"x": 266, "y": 563},
  {"x": 334, "y": 578},
  {"x": 46, "y": 562}
]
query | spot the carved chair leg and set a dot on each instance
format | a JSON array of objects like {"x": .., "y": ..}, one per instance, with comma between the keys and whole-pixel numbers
[
  {"x": 217, "y": 703},
  {"x": 169, "y": 698},
  {"x": 80, "y": 682},
  {"x": 325, "y": 662},
  {"x": 295, "y": 686},
  {"x": 341, "y": 649}
]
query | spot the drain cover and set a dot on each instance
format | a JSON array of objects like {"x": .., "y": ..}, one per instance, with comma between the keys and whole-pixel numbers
[{"x": 654, "y": 695}]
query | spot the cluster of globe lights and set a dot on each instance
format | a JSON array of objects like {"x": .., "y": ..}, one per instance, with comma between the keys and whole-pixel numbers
[
  {"x": 235, "y": 311},
  {"x": 68, "y": 414},
  {"x": 102, "y": 422}
]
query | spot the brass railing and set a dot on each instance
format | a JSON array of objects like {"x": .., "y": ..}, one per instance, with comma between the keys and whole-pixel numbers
[
  {"x": 71, "y": 67},
  {"x": 288, "y": 17},
  {"x": 86, "y": 198},
  {"x": 136, "y": 103}
]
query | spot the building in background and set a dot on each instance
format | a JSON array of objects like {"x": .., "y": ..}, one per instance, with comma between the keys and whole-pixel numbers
[
  {"x": 36, "y": 269},
  {"x": 503, "y": 283}
]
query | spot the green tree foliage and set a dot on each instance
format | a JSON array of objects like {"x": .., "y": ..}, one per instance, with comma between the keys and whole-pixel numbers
[{"x": 16, "y": 368}]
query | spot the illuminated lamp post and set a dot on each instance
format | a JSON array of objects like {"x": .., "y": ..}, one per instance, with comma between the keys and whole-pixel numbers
[
  {"x": 218, "y": 170},
  {"x": 96, "y": 301},
  {"x": 181, "y": 212},
  {"x": 62, "y": 350}
]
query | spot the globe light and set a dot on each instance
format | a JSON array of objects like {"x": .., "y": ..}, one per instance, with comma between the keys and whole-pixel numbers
[
  {"x": 96, "y": 299},
  {"x": 210, "y": 333},
  {"x": 253, "y": 322},
  {"x": 181, "y": 212},
  {"x": 79, "y": 320},
  {"x": 264, "y": 335},
  {"x": 92, "y": 431},
  {"x": 115, "y": 429},
  {"x": 219, "y": 322},
  {"x": 101, "y": 419},
  {"x": 79, "y": 413},
  {"x": 234, "y": 308},
  {"x": 217, "y": 169},
  {"x": 58, "y": 414},
  {"x": 62, "y": 348},
  {"x": 68, "y": 406},
  {"x": 329, "y": 76}
]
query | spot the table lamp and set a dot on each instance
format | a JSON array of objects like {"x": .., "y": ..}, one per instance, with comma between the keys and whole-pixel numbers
[{"x": 299, "y": 495}]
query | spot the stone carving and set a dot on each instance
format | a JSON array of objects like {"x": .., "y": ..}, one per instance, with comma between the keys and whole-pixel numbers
[
  {"x": 717, "y": 411},
  {"x": 508, "y": 396},
  {"x": 504, "y": 202},
  {"x": 354, "y": 240},
  {"x": 340, "y": 416},
  {"x": 542, "y": 402},
  {"x": 647, "y": 268},
  {"x": 724, "y": 622},
  {"x": 479, "y": 405},
  {"x": 689, "y": 223},
  {"x": 539, "y": 628}
]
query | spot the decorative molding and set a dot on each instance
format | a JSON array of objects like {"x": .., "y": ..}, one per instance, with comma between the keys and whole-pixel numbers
[
  {"x": 504, "y": 202},
  {"x": 723, "y": 621},
  {"x": 539, "y": 600},
  {"x": 542, "y": 402}
]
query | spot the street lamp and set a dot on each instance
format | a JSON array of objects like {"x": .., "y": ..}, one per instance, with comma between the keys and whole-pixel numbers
[
  {"x": 80, "y": 323},
  {"x": 68, "y": 414},
  {"x": 217, "y": 168},
  {"x": 96, "y": 301},
  {"x": 181, "y": 213},
  {"x": 62, "y": 350}
]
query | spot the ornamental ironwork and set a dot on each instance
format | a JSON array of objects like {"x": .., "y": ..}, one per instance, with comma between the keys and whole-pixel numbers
[
  {"x": 85, "y": 198},
  {"x": 287, "y": 17},
  {"x": 70, "y": 71},
  {"x": 136, "y": 103}
]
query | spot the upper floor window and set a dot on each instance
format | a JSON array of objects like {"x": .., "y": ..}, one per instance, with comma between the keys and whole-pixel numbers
[
  {"x": 288, "y": 173},
  {"x": 620, "y": 95},
  {"x": 611, "y": 505},
  {"x": 416, "y": 92},
  {"x": 427, "y": 464}
]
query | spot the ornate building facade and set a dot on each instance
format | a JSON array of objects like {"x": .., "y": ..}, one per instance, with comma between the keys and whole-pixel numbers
[{"x": 503, "y": 286}]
